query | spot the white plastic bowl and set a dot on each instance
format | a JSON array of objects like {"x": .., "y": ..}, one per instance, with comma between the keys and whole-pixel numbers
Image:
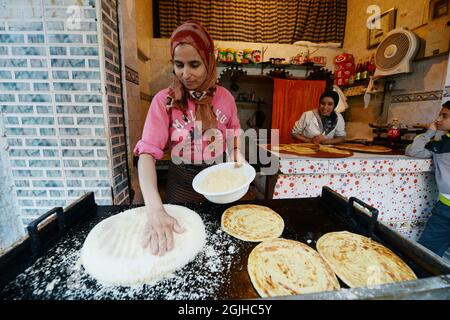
[{"x": 228, "y": 196}]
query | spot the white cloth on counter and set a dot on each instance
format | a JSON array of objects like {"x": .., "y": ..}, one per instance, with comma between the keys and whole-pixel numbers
[
  {"x": 342, "y": 104},
  {"x": 371, "y": 89},
  {"x": 367, "y": 93},
  {"x": 308, "y": 126}
]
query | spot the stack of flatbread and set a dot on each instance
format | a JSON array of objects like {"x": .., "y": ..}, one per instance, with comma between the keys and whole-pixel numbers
[
  {"x": 277, "y": 267},
  {"x": 280, "y": 267}
]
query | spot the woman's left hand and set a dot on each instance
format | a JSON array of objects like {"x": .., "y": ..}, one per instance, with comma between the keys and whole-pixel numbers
[{"x": 238, "y": 158}]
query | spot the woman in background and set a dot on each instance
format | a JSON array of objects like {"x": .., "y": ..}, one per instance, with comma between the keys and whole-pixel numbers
[{"x": 322, "y": 125}]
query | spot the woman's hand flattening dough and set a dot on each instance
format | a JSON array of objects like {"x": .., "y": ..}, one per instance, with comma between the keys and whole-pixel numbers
[{"x": 158, "y": 231}]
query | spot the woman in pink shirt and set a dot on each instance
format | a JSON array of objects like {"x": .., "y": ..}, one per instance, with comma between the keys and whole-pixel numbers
[{"x": 197, "y": 119}]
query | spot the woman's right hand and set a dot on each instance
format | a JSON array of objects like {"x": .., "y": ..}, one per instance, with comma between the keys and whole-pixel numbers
[
  {"x": 158, "y": 232},
  {"x": 318, "y": 139}
]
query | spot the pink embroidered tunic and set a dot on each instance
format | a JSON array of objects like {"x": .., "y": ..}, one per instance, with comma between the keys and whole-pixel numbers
[{"x": 166, "y": 125}]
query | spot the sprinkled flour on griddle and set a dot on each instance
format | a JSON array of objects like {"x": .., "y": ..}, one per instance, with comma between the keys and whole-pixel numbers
[{"x": 59, "y": 274}]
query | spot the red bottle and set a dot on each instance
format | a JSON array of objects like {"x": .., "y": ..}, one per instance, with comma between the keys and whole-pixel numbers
[{"x": 393, "y": 134}]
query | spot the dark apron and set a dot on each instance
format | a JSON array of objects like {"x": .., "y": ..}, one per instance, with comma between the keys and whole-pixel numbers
[{"x": 179, "y": 182}]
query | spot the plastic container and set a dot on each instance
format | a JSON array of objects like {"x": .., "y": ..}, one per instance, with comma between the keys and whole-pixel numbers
[
  {"x": 228, "y": 196},
  {"x": 239, "y": 56},
  {"x": 256, "y": 56},
  {"x": 247, "y": 56},
  {"x": 222, "y": 54}
]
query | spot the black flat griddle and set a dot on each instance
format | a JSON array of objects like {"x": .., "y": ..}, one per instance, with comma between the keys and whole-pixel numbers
[{"x": 48, "y": 269}]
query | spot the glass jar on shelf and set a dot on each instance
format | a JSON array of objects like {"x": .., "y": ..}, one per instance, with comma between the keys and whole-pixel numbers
[
  {"x": 231, "y": 54},
  {"x": 247, "y": 56},
  {"x": 222, "y": 55},
  {"x": 239, "y": 57},
  {"x": 256, "y": 56}
]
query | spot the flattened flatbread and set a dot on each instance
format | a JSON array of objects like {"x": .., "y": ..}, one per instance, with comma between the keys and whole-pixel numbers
[
  {"x": 359, "y": 261},
  {"x": 363, "y": 148},
  {"x": 252, "y": 223},
  {"x": 328, "y": 149},
  {"x": 304, "y": 145},
  {"x": 285, "y": 267},
  {"x": 310, "y": 149},
  {"x": 297, "y": 148}
]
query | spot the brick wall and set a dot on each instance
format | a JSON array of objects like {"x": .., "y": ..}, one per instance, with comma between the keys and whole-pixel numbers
[
  {"x": 60, "y": 102},
  {"x": 112, "y": 73}
]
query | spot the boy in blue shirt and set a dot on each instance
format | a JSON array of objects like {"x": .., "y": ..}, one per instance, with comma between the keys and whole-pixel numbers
[{"x": 436, "y": 235}]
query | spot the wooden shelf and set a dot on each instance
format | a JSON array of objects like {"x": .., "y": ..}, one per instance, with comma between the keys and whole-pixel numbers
[
  {"x": 268, "y": 65},
  {"x": 357, "y": 90},
  {"x": 364, "y": 83},
  {"x": 257, "y": 69},
  {"x": 235, "y": 64}
]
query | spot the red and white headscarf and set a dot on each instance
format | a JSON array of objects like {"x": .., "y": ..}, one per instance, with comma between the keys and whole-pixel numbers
[{"x": 193, "y": 33}]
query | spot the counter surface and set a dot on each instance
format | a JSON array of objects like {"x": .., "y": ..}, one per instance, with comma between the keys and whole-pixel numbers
[{"x": 402, "y": 188}]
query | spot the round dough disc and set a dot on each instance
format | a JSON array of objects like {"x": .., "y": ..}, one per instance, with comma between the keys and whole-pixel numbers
[
  {"x": 113, "y": 253},
  {"x": 359, "y": 261},
  {"x": 283, "y": 267},
  {"x": 252, "y": 223}
]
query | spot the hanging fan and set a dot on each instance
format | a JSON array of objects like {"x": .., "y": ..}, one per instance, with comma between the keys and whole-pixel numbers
[{"x": 396, "y": 52}]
